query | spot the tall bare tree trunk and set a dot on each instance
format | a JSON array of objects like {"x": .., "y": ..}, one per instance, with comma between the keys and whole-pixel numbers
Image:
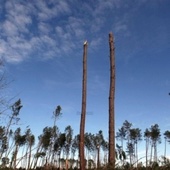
[
  {"x": 111, "y": 104},
  {"x": 83, "y": 112}
]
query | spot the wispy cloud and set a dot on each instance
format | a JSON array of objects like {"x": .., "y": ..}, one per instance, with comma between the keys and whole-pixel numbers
[
  {"x": 95, "y": 42},
  {"x": 103, "y": 6},
  {"x": 76, "y": 26},
  {"x": 44, "y": 28},
  {"x": 47, "y": 29},
  {"x": 32, "y": 28},
  {"x": 120, "y": 26},
  {"x": 51, "y": 9},
  {"x": 17, "y": 15}
]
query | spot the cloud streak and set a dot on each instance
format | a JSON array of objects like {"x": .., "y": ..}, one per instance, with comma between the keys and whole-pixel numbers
[
  {"x": 35, "y": 27},
  {"x": 32, "y": 28},
  {"x": 47, "y": 29}
]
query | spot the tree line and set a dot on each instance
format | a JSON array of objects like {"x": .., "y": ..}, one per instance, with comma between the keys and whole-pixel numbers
[{"x": 60, "y": 149}]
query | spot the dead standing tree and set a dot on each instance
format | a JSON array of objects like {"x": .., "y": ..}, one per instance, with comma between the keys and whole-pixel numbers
[
  {"x": 111, "y": 104},
  {"x": 83, "y": 111}
]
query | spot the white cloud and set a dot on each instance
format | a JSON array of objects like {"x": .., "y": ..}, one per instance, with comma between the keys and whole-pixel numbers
[
  {"x": 19, "y": 44},
  {"x": 120, "y": 26},
  {"x": 29, "y": 28},
  {"x": 63, "y": 7},
  {"x": 18, "y": 15},
  {"x": 103, "y": 6},
  {"x": 45, "y": 29},
  {"x": 47, "y": 40},
  {"x": 43, "y": 44},
  {"x": 98, "y": 24},
  {"x": 14, "y": 49},
  {"x": 22, "y": 22},
  {"x": 95, "y": 42},
  {"x": 100, "y": 13},
  {"x": 2, "y": 47},
  {"x": 9, "y": 28},
  {"x": 45, "y": 13},
  {"x": 76, "y": 26},
  {"x": 59, "y": 31},
  {"x": 51, "y": 9}
]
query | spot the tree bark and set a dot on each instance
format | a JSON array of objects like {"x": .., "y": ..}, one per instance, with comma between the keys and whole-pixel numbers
[
  {"x": 83, "y": 112},
  {"x": 111, "y": 103}
]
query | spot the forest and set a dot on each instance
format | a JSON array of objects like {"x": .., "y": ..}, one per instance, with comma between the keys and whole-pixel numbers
[{"x": 54, "y": 149}]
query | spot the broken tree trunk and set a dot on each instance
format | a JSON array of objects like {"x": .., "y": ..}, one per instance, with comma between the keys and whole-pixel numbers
[
  {"x": 83, "y": 112},
  {"x": 111, "y": 104}
]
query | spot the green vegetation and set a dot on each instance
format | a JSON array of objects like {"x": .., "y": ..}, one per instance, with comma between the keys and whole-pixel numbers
[{"x": 60, "y": 149}]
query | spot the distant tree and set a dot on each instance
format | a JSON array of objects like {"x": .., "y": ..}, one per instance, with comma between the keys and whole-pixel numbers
[
  {"x": 135, "y": 136},
  {"x": 88, "y": 142},
  {"x": 20, "y": 140},
  {"x": 120, "y": 153},
  {"x": 38, "y": 152},
  {"x": 37, "y": 156},
  {"x": 167, "y": 139},
  {"x": 46, "y": 142},
  {"x": 83, "y": 110},
  {"x": 68, "y": 142},
  {"x": 127, "y": 126},
  {"x": 111, "y": 103},
  {"x": 16, "y": 107},
  {"x": 55, "y": 135},
  {"x": 9, "y": 145},
  {"x": 57, "y": 113},
  {"x": 44, "y": 145},
  {"x": 13, "y": 119},
  {"x": 75, "y": 145},
  {"x": 59, "y": 145},
  {"x": 30, "y": 141},
  {"x": 121, "y": 135},
  {"x": 98, "y": 143},
  {"x": 147, "y": 135},
  {"x": 155, "y": 138},
  {"x": 105, "y": 147},
  {"x": 130, "y": 151}
]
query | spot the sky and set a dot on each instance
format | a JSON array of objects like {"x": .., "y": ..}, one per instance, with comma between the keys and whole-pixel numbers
[{"x": 41, "y": 43}]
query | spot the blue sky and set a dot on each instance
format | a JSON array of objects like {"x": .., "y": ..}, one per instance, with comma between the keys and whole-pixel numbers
[{"x": 41, "y": 43}]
